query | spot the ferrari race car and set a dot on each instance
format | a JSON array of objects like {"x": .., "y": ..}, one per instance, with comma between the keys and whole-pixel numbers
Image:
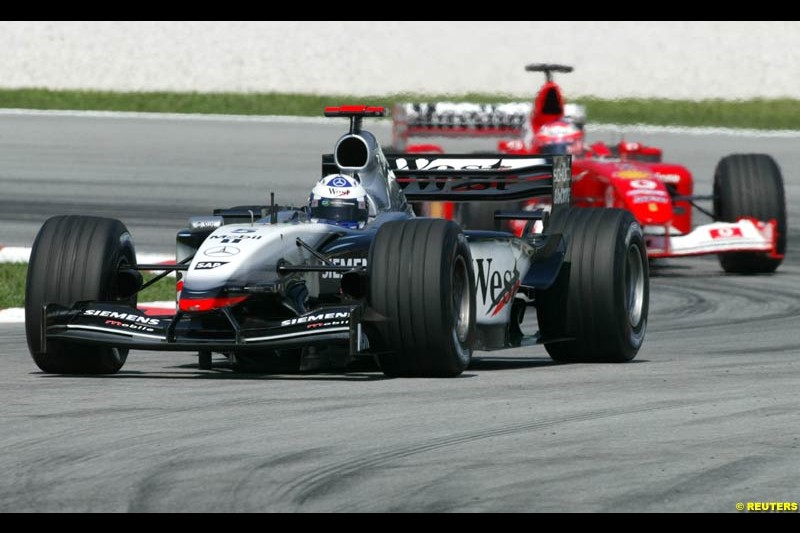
[
  {"x": 271, "y": 285},
  {"x": 748, "y": 231}
]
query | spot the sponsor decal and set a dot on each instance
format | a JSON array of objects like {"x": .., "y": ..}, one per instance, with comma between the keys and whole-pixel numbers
[
  {"x": 465, "y": 115},
  {"x": 335, "y": 202},
  {"x": 205, "y": 222},
  {"x": 631, "y": 174},
  {"x": 725, "y": 233},
  {"x": 222, "y": 251},
  {"x": 338, "y": 192},
  {"x": 342, "y": 261},
  {"x": 644, "y": 184},
  {"x": 494, "y": 286},
  {"x": 652, "y": 192},
  {"x": 340, "y": 182},
  {"x": 561, "y": 181},
  {"x": 319, "y": 320},
  {"x": 127, "y": 317},
  {"x": 209, "y": 265},
  {"x": 128, "y": 325},
  {"x": 422, "y": 163},
  {"x": 243, "y": 230},
  {"x": 668, "y": 178},
  {"x": 234, "y": 239},
  {"x": 651, "y": 199}
]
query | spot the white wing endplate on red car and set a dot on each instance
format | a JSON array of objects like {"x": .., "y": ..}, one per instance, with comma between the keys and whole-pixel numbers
[{"x": 744, "y": 235}]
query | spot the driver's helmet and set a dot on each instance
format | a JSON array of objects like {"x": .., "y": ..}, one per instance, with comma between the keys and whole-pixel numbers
[
  {"x": 339, "y": 199},
  {"x": 558, "y": 137}
]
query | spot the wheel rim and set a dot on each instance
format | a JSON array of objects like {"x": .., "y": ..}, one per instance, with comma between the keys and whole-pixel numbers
[
  {"x": 461, "y": 301},
  {"x": 634, "y": 285}
]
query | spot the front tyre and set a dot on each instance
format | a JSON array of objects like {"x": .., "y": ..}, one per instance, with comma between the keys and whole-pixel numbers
[
  {"x": 75, "y": 258},
  {"x": 750, "y": 185},
  {"x": 421, "y": 280},
  {"x": 596, "y": 310}
]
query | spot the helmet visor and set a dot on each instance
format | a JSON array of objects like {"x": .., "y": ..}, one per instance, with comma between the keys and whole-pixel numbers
[{"x": 338, "y": 210}]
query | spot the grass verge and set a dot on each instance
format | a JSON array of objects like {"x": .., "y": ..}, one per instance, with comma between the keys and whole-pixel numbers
[
  {"x": 12, "y": 287},
  {"x": 755, "y": 113}
]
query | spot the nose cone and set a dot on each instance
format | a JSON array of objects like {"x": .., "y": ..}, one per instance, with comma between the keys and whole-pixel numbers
[{"x": 648, "y": 200}]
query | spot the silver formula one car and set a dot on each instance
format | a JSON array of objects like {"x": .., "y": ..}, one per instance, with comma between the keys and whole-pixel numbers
[{"x": 274, "y": 285}]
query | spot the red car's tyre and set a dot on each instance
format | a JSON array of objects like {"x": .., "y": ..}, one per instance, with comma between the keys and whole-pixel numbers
[
  {"x": 75, "y": 258},
  {"x": 421, "y": 280},
  {"x": 750, "y": 185},
  {"x": 596, "y": 311}
]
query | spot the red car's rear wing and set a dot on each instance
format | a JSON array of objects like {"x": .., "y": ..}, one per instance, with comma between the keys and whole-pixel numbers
[
  {"x": 470, "y": 177},
  {"x": 447, "y": 119}
]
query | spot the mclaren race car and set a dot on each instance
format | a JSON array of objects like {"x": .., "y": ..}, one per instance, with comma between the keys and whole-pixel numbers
[
  {"x": 278, "y": 285},
  {"x": 748, "y": 228}
]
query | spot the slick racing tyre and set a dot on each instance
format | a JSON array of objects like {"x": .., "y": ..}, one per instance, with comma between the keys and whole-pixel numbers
[
  {"x": 596, "y": 310},
  {"x": 750, "y": 185},
  {"x": 75, "y": 258},
  {"x": 421, "y": 280}
]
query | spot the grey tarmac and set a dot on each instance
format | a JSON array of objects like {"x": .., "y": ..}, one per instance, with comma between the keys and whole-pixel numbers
[{"x": 704, "y": 418}]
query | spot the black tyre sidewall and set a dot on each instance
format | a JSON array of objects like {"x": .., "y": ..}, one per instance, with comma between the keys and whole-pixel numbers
[
  {"x": 75, "y": 258},
  {"x": 588, "y": 302},
  {"x": 750, "y": 185},
  {"x": 411, "y": 271}
]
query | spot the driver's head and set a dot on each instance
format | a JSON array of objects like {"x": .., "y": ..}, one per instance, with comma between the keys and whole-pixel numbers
[
  {"x": 339, "y": 199},
  {"x": 558, "y": 137}
]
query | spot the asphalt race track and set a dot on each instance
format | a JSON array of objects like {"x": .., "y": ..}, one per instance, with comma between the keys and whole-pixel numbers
[{"x": 706, "y": 417}]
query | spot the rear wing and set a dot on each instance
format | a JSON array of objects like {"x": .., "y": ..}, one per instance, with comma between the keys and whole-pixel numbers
[
  {"x": 475, "y": 177},
  {"x": 448, "y": 119}
]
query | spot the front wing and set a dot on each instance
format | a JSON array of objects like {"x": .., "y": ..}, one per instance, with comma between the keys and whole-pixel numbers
[
  {"x": 744, "y": 235},
  {"x": 124, "y": 326}
]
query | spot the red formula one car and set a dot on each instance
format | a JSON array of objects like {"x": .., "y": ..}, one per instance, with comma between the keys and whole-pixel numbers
[{"x": 748, "y": 231}]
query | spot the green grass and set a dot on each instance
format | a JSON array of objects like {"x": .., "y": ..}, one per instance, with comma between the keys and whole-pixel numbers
[
  {"x": 756, "y": 113},
  {"x": 12, "y": 287},
  {"x": 12, "y": 284}
]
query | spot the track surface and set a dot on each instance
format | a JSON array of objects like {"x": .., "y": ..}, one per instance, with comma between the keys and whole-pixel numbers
[{"x": 705, "y": 417}]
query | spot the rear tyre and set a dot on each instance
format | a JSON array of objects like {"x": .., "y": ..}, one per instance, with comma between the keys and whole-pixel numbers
[
  {"x": 421, "y": 280},
  {"x": 75, "y": 258},
  {"x": 750, "y": 185},
  {"x": 599, "y": 301}
]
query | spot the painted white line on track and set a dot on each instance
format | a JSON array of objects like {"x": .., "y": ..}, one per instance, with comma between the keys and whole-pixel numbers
[
  {"x": 20, "y": 254},
  {"x": 15, "y": 315},
  {"x": 14, "y": 254},
  {"x": 696, "y": 131},
  {"x": 288, "y": 119},
  {"x": 281, "y": 119}
]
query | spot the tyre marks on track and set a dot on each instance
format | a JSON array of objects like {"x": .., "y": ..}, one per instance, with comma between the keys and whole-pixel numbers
[
  {"x": 696, "y": 302},
  {"x": 318, "y": 483}
]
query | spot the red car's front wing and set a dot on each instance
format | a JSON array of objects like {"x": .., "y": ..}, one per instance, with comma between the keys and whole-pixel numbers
[{"x": 744, "y": 235}]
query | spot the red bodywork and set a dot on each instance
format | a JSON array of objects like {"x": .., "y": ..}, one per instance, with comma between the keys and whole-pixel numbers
[{"x": 627, "y": 175}]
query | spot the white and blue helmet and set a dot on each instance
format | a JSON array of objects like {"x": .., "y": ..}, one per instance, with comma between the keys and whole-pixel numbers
[{"x": 339, "y": 199}]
